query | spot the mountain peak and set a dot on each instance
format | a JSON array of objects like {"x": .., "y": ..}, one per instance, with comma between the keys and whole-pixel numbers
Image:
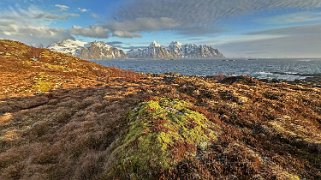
[
  {"x": 176, "y": 50},
  {"x": 176, "y": 43},
  {"x": 154, "y": 44},
  {"x": 67, "y": 46},
  {"x": 70, "y": 42},
  {"x": 84, "y": 50},
  {"x": 100, "y": 44}
]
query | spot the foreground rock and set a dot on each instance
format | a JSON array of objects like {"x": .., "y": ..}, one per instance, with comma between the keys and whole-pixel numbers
[
  {"x": 161, "y": 134},
  {"x": 104, "y": 123}
]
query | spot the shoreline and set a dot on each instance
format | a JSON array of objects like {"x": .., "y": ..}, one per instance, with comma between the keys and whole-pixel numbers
[
  {"x": 269, "y": 69},
  {"x": 311, "y": 80}
]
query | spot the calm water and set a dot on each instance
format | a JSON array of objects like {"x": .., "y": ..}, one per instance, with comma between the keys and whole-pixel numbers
[{"x": 288, "y": 69}]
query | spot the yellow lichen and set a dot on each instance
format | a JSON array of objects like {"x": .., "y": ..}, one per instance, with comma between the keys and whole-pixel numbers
[
  {"x": 160, "y": 134},
  {"x": 57, "y": 67},
  {"x": 42, "y": 84}
]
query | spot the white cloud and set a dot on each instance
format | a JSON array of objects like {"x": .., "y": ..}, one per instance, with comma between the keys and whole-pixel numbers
[
  {"x": 293, "y": 18},
  {"x": 91, "y": 31},
  {"x": 125, "y": 34},
  {"x": 193, "y": 16},
  {"x": 202, "y": 17},
  {"x": 32, "y": 13},
  {"x": 94, "y": 15},
  {"x": 35, "y": 35},
  {"x": 83, "y": 10},
  {"x": 298, "y": 41},
  {"x": 62, "y": 7},
  {"x": 242, "y": 39},
  {"x": 134, "y": 27},
  {"x": 31, "y": 25}
]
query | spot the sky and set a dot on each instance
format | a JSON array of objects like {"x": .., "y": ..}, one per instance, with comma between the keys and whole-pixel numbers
[{"x": 238, "y": 28}]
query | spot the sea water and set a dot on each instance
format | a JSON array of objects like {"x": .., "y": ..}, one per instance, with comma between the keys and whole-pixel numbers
[{"x": 285, "y": 69}]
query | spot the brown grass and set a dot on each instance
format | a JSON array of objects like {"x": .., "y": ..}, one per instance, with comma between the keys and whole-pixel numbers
[
  {"x": 267, "y": 130},
  {"x": 35, "y": 53}
]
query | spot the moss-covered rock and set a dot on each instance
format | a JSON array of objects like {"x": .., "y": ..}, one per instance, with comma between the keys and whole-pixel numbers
[{"x": 160, "y": 134}]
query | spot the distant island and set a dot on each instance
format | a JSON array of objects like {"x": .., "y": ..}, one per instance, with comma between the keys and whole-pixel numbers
[{"x": 103, "y": 51}]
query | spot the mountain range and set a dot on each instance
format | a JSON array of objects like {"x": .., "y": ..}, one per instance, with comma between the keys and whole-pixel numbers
[
  {"x": 101, "y": 50},
  {"x": 93, "y": 50},
  {"x": 176, "y": 50}
]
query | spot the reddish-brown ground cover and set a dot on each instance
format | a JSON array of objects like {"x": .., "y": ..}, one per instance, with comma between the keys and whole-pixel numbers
[{"x": 59, "y": 116}]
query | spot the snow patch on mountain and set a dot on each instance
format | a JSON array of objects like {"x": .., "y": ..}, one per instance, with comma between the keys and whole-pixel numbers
[
  {"x": 176, "y": 50},
  {"x": 68, "y": 46},
  {"x": 84, "y": 50},
  {"x": 100, "y": 50},
  {"x": 155, "y": 44}
]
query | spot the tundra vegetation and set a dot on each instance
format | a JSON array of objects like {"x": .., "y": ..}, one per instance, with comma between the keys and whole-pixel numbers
[{"x": 65, "y": 118}]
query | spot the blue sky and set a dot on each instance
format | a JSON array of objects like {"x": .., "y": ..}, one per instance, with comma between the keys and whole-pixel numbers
[{"x": 239, "y": 28}]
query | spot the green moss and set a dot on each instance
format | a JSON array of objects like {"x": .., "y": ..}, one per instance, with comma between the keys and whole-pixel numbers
[
  {"x": 57, "y": 67},
  {"x": 42, "y": 84},
  {"x": 159, "y": 135}
]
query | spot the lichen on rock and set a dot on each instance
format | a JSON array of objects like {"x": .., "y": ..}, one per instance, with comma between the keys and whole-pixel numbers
[{"x": 160, "y": 134}]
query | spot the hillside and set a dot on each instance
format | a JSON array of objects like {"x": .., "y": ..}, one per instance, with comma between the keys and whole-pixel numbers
[
  {"x": 65, "y": 118},
  {"x": 26, "y": 70}
]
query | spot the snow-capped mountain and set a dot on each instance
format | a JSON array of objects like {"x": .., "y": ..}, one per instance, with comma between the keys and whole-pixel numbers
[
  {"x": 84, "y": 50},
  {"x": 68, "y": 46},
  {"x": 176, "y": 50},
  {"x": 201, "y": 51},
  {"x": 100, "y": 50},
  {"x": 154, "y": 51}
]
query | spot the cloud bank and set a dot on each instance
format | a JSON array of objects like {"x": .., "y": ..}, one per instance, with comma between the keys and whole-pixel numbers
[
  {"x": 298, "y": 41},
  {"x": 91, "y": 31},
  {"x": 31, "y": 26},
  {"x": 132, "y": 28},
  {"x": 188, "y": 18},
  {"x": 62, "y": 7},
  {"x": 192, "y": 15}
]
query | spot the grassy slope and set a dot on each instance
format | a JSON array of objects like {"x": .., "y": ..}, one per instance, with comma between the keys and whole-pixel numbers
[
  {"x": 22, "y": 74},
  {"x": 73, "y": 131}
]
